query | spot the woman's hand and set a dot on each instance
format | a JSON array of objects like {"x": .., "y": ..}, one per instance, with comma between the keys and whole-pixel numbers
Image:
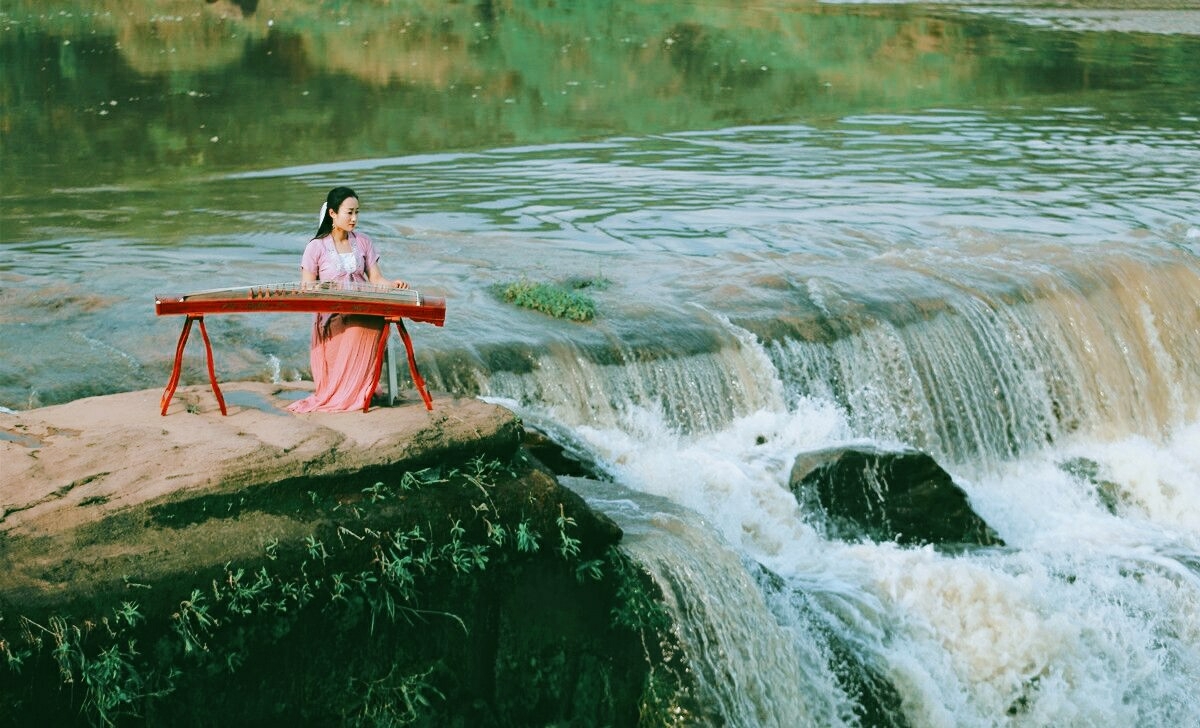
[{"x": 375, "y": 276}]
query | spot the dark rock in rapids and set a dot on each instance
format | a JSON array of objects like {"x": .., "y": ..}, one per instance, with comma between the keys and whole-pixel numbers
[{"x": 905, "y": 496}]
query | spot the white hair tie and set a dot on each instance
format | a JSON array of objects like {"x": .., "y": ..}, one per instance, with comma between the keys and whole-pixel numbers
[{"x": 324, "y": 209}]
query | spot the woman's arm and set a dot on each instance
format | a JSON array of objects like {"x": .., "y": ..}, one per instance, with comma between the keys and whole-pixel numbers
[
  {"x": 310, "y": 264},
  {"x": 376, "y": 276}
]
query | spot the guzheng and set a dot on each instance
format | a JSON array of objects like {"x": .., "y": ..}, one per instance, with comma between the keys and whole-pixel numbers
[
  {"x": 392, "y": 304},
  {"x": 320, "y": 297}
]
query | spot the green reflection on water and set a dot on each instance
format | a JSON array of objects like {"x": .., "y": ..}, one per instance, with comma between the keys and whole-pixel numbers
[{"x": 125, "y": 93}]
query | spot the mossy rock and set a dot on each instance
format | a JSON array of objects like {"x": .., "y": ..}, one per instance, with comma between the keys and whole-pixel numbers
[{"x": 560, "y": 300}]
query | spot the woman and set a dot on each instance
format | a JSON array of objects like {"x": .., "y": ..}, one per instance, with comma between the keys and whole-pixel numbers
[{"x": 343, "y": 346}]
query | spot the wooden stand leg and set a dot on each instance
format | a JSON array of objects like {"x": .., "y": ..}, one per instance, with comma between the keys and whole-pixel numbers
[
  {"x": 412, "y": 366},
  {"x": 212, "y": 374},
  {"x": 173, "y": 382}
]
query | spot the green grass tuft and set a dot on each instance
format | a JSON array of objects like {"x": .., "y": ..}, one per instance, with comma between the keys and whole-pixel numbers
[{"x": 560, "y": 300}]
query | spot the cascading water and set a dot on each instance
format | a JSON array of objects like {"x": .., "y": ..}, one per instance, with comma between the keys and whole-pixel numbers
[
  {"x": 744, "y": 663},
  {"x": 966, "y": 228},
  {"x": 1067, "y": 409},
  {"x": 986, "y": 379}
]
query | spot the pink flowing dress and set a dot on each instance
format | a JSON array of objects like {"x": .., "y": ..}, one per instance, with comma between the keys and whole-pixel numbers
[{"x": 343, "y": 347}]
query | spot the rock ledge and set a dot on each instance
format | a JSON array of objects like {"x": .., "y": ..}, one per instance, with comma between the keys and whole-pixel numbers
[{"x": 90, "y": 487}]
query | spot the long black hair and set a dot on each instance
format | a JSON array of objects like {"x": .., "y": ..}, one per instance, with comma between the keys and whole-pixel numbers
[{"x": 333, "y": 201}]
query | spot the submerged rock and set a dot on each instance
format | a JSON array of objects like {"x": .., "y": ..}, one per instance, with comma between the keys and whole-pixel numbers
[
  {"x": 905, "y": 496},
  {"x": 557, "y": 458},
  {"x": 1110, "y": 493},
  {"x": 877, "y": 701}
]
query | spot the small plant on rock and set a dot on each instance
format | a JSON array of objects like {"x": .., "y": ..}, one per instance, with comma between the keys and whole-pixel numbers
[{"x": 560, "y": 300}]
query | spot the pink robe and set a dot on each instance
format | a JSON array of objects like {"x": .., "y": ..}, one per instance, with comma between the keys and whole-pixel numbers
[{"x": 343, "y": 347}]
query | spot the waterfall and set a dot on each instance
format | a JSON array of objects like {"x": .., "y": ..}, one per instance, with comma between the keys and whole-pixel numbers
[
  {"x": 1109, "y": 355},
  {"x": 983, "y": 378},
  {"x": 1068, "y": 409},
  {"x": 748, "y": 668}
]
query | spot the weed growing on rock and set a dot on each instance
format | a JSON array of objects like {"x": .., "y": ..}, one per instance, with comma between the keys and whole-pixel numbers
[
  {"x": 560, "y": 300},
  {"x": 568, "y": 547},
  {"x": 395, "y": 700},
  {"x": 361, "y": 564},
  {"x": 637, "y": 608},
  {"x": 666, "y": 699},
  {"x": 527, "y": 538}
]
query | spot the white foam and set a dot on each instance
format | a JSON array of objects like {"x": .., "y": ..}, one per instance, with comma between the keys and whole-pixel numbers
[
  {"x": 735, "y": 478},
  {"x": 1068, "y": 626}
]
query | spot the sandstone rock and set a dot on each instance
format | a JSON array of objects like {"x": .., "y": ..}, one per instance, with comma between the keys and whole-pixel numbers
[
  {"x": 300, "y": 540},
  {"x": 87, "y": 484}
]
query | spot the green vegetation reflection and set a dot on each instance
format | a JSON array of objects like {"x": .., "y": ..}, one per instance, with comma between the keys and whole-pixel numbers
[{"x": 109, "y": 91}]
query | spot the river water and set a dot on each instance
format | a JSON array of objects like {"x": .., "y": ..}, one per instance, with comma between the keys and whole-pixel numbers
[{"x": 968, "y": 228}]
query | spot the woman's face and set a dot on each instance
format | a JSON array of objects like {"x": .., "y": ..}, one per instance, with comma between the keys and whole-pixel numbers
[{"x": 346, "y": 216}]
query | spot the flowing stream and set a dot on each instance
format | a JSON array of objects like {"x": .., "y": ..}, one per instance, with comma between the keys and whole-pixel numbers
[{"x": 972, "y": 229}]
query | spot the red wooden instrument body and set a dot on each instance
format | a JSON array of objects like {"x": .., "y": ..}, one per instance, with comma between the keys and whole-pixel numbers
[
  {"x": 392, "y": 304},
  {"x": 297, "y": 298}
]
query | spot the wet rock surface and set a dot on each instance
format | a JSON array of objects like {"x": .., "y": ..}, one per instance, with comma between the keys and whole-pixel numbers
[{"x": 902, "y": 496}]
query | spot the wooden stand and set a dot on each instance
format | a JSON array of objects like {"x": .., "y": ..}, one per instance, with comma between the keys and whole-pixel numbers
[
  {"x": 384, "y": 341},
  {"x": 412, "y": 365}
]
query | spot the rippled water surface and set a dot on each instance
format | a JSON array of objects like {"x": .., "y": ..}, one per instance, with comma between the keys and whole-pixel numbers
[
  {"x": 971, "y": 229},
  {"x": 759, "y": 222},
  {"x": 780, "y": 165}
]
